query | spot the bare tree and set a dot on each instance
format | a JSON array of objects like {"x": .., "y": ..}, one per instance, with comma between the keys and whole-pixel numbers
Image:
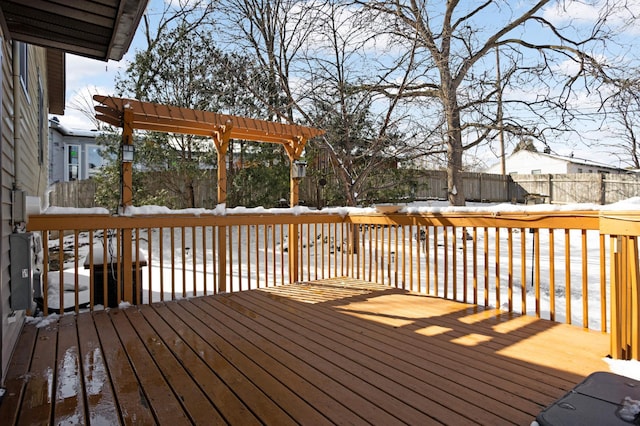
[
  {"x": 314, "y": 56},
  {"x": 446, "y": 61},
  {"x": 622, "y": 112}
]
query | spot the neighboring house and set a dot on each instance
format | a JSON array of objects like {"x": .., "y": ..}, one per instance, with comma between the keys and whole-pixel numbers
[
  {"x": 34, "y": 36},
  {"x": 532, "y": 163},
  {"x": 73, "y": 154}
]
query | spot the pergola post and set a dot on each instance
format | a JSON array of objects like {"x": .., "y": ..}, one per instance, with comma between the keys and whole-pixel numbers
[
  {"x": 221, "y": 141},
  {"x": 126, "y": 194},
  {"x": 293, "y": 228},
  {"x": 126, "y": 189},
  {"x": 294, "y": 151}
]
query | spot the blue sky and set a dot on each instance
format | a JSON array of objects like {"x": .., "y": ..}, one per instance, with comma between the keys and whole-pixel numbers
[{"x": 86, "y": 77}]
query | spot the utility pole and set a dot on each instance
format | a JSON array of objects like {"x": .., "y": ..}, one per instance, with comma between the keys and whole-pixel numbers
[{"x": 503, "y": 165}]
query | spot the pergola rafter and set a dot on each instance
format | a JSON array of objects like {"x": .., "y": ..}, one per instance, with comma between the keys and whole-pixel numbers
[
  {"x": 171, "y": 119},
  {"x": 131, "y": 114}
]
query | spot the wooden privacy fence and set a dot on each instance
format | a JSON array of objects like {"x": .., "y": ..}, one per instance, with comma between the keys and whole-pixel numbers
[
  {"x": 77, "y": 193},
  {"x": 595, "y": 188},
  {"x": 430, "y": 184},
  {"x": 573, "y": 267}
]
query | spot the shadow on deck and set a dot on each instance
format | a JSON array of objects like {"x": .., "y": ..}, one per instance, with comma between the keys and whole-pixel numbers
[{"x": 333, "y": 351}]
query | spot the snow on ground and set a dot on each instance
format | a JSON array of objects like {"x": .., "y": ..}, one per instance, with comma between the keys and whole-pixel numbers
[{"x": 192, "y": 284}]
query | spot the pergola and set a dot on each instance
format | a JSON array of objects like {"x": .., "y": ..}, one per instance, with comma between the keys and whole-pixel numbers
[{"x": 132, "y": 114}]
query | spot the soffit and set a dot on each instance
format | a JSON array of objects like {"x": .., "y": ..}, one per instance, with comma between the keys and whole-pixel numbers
[
  {"x": 99, "y": 29},
  {"x": 56, "y": 82}
]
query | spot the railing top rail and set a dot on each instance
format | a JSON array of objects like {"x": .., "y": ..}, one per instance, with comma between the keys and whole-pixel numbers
[
  {"x": 559, "y": 219},
  {"x": 620, "y": 222}
]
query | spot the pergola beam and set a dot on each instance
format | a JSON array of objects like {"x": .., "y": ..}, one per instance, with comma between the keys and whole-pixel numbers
[{"x": 164, "y": 118}]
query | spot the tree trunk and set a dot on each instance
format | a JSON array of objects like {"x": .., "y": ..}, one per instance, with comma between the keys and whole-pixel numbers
[{"x": 455, "y": 183}]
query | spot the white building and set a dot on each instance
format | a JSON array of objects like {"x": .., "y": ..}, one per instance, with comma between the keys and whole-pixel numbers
[
  {"x": 532, "y": 163},
  {"x": 73, "y": 154}
]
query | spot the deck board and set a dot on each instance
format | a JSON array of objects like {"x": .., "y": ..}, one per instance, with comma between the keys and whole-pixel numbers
[
  {"x": 414, "y": 377},
  {"x": 98, "y": 393},
  {"x": 15, "y": 384},
  {"x": 337, "y": 351}
]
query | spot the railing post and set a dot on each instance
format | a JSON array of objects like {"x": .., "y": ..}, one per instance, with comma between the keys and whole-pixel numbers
[
  {"x": 625, "y": 288},
  {"x": 631, "y": 302},
  {"x": 616, "y": 347}
]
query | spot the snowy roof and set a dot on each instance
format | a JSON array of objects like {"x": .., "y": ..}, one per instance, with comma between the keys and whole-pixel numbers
[
  {"x": 542, "y": 156},
  {"x": 56, "y": 125}
]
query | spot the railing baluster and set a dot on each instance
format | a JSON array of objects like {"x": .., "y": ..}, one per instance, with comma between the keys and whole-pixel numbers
[
  {"x": 396, "y": 256},
  {"x": 149, "y": 264},
  {"x": 256, "y": 229},
  {"x": 585, "y": 281},
  {"x": 552, "y": 276},
  {"x": 282, "y": 268},
  {"x": 119, "y": 268},
  {"x": 204, "y": 260},
  {"x": 454, "y": 263},
  {"x": 308, "y": 251},
  {"x": 239, "y": 249},
  {"x": 510, "y": 283},
  {"x": 464, "y": 264},
  {"x": 536, "y": 244},
  {"x": 485, "y": 256},
  {"x": 603, "y": 285},
  {"x": 105, "y": 266},
  {"x": 418, "y": 260},
  {"x": 410, "y": 257},
  {"x": 445, "y": 255},
  {"x": 194, "y": 253},
  {"x": 61, "y": 270},
  {"x": 229, "y": 232},
  {"x": 377, "y": 253},
  {"x": 497, "y": 266},
  {"x": 214, "y": 258},
  {"x": 184, "y": 261},
  {"x": 435, "y": 260},
  {"x": 523, "y": 271},
  {"x": 567, "y": 275},
  {"x": 91, "y": 271}
]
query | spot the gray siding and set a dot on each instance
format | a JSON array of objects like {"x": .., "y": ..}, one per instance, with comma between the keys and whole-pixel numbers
[{"x": 20, "y": 168}]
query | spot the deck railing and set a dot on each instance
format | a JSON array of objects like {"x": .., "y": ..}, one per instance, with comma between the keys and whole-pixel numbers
[{"x": 577, "y": 267}]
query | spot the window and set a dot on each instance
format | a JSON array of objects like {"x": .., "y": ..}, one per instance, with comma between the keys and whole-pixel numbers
[
  {"x": 536, "y": 172},
  {"x": 72, "y": 162},
  {"x": 95, "y": 161},
  {"x": 24, "y": 65},
  {"x": 579, "y": 170}
]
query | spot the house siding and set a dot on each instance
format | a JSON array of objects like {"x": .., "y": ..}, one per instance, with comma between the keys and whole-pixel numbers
[{"x": 20, "y": 168}]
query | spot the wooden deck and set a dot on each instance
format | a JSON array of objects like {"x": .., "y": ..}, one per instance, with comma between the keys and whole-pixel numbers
[{"x": 335, "y": 351}]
